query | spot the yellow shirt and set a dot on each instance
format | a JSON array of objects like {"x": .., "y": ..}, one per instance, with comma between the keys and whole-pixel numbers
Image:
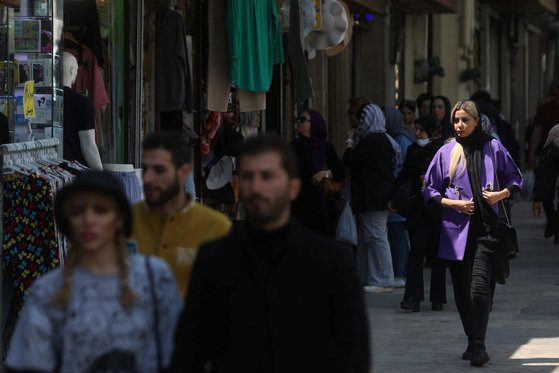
[{"x": 176, "y": 238}]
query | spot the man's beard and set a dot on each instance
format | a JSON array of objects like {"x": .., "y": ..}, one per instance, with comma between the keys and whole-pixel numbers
[
  {"x": 165, "y": 195},
  {"x": 271, "y": 212}
]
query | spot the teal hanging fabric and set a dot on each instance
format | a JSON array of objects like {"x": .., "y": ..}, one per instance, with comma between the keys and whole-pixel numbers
[{"x": 255, "y": 43}]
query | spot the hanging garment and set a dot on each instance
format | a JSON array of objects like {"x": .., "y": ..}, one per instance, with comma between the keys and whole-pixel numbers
[
  {"x": 30, "y": 246},
  {"x": 255, "y": 43},
  {"x": 219, "y": 77},
  {"x": 298, "y": 60},
  {"x": 90, "y": 76},
  {"x": 84, "y": 14},
  {"x": 175, "y": 87}
]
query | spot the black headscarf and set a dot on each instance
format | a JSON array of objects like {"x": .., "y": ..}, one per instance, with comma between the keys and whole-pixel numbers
[
  {"x": 484, "y": 218},
  {"x": 446, "y": 129}
]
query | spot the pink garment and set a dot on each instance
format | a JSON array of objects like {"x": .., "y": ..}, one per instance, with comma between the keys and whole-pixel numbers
[{"x": 90, "y": 77}]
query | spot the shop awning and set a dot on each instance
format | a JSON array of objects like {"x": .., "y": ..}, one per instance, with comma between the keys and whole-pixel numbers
[
  {"x": 524, "y": 6},
  {"x": 14, "y": 3},
  {"x": 426, "y": 6},
  {"x": 361, "y": 6}
]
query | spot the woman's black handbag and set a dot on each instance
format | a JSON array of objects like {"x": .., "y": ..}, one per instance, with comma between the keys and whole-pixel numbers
[{"x": 506, "y": 234}]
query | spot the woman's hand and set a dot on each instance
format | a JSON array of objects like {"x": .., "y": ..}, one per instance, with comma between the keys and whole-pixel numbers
[
  {"x": 494, "y": 197},
  {"x": 317, "y": 178},
  {"x": 463, "y": 207},
  {"x": 537, "y": 208}
]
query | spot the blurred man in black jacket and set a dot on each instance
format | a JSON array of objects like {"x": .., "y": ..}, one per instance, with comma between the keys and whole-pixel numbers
[{"x": 272, "y": 297}]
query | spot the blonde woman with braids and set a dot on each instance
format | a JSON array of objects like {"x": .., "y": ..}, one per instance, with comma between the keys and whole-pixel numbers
[
  {"x": 461, "y": 178},
  {"x": 98, "y": 313}
]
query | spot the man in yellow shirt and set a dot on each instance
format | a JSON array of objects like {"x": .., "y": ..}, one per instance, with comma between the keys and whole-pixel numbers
[{"x": 169, "y": 223}]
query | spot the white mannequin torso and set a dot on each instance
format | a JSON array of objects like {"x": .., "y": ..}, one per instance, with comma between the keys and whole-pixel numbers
[{"x": 88, "y": 145}]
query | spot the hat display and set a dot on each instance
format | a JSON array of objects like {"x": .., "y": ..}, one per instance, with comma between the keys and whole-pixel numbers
[
  {"x": 348, "y": 35},
  {"x": 93, "y": 180},
  {"x": 220, "y": 173},
  {"x": 335, "y": 24}
]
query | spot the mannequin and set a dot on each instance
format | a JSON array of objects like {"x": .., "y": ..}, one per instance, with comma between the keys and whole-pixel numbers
[{"x": 78, "y": 119}]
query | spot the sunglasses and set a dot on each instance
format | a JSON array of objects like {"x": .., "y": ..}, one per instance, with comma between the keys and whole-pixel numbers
[{"x": 302, "y": 119}]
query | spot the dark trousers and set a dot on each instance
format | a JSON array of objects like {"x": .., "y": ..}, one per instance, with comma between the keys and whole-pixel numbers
[
  {"x": 472, "y": 279},
  {"x": 424, "y": 234},
  {"x": 551, "y": 212}
]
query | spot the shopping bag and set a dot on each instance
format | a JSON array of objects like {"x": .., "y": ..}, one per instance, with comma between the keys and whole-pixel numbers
[{"x": 346, "y": 231}]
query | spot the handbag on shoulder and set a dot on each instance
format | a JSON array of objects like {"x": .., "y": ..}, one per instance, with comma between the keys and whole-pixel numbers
[{"x": 505, "y": 232}]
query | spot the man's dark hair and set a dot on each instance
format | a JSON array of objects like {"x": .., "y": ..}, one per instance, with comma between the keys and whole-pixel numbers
[
  {"x": 423, "y": 97},
  {"x": 175, "y": 143},
  {"x": 482, "y": 96},
  {"x": 271, "y": 143}
]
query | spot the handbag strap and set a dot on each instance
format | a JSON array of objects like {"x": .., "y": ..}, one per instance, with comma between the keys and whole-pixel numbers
[
  {"x": 497, "y": 182},
  {"x": 155, "y": 311}
]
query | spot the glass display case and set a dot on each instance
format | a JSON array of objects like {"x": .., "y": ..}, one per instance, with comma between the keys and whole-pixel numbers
[{"x": 31, "y": 90}]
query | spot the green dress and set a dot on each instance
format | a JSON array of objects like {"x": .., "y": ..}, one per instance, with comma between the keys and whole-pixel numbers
[{"x": 255, "y": 43}]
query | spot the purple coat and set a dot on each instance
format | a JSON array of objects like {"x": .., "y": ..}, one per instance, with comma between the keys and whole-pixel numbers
[{"x": 455, "y": 226}]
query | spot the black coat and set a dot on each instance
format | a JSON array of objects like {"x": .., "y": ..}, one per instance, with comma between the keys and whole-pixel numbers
[
  {"x": 412, "y": 175},
  {"x": 546, "y": 173},
  {"x": 304, "y": 314},
  {"x": 311, "y": 208},
  {"x": 372, "y": 177}
]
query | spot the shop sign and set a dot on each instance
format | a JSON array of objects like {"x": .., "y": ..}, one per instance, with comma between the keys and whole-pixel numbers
[
  {"x": 318, "y": 8},
  {"x": 28, "y": 99}
]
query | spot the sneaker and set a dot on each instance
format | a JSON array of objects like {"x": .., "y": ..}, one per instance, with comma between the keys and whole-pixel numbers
[
  {"x": 399, "y": 282},
  {"x": 378, "y": 289}
]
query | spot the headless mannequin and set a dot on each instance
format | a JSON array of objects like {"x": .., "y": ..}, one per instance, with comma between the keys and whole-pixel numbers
[{"x": 87, "y": 138}]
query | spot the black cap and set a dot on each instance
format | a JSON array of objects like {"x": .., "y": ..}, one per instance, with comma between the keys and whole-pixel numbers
[{"x": 95, "y": 181}]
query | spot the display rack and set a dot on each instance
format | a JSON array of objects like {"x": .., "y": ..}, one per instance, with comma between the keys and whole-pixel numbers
[{"x": 30, "y": 50}]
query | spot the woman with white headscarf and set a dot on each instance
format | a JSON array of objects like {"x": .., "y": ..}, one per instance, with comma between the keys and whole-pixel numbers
[
  {"x": 371, "y": 156},
  {"x": 545, "y": 184}
]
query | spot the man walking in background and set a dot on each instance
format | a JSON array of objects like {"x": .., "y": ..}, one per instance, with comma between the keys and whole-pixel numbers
[{"x": 169, "y": 223}]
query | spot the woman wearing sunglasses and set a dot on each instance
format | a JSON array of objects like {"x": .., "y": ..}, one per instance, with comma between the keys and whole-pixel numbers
[{"x": 318, "y": 164}]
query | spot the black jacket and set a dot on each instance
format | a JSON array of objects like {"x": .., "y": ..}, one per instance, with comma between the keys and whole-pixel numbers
[
  {"x": 413, "y": 172},
  {"x": 311, "y": 207},
  {"x": 371, "y": 171},
  {"x": 546, "y": 173},
  {"x": 301, "y": 311}
]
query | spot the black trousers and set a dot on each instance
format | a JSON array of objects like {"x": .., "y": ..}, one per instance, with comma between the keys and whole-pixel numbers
[
  {"x": 551, "y": 212},
  {"x": 424, "y": 236},
  {"x": 473, "y": 283}
]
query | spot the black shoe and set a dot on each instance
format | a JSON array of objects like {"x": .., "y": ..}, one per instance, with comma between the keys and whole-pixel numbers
[
  {"x": 467, "y": 355},
  {"x": 479, "y": 356},
  {"x": 436, "y": 307},
  {"x": 407, "y": 305}
]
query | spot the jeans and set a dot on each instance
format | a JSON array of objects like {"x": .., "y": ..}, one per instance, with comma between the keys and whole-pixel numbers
[
  {"x": 472, "y": 282},
  {"x": 399, "y": 247},
  {"x": 374, "y": 261},
  {"x": 424, "y": 234}
]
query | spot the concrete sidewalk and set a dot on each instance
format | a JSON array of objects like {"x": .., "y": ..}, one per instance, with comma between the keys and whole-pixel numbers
[{"x": 523, "y": 334}]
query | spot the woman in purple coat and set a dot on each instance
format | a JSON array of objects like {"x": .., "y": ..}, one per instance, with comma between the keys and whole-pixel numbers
[{"x": 461, "y": 178}]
